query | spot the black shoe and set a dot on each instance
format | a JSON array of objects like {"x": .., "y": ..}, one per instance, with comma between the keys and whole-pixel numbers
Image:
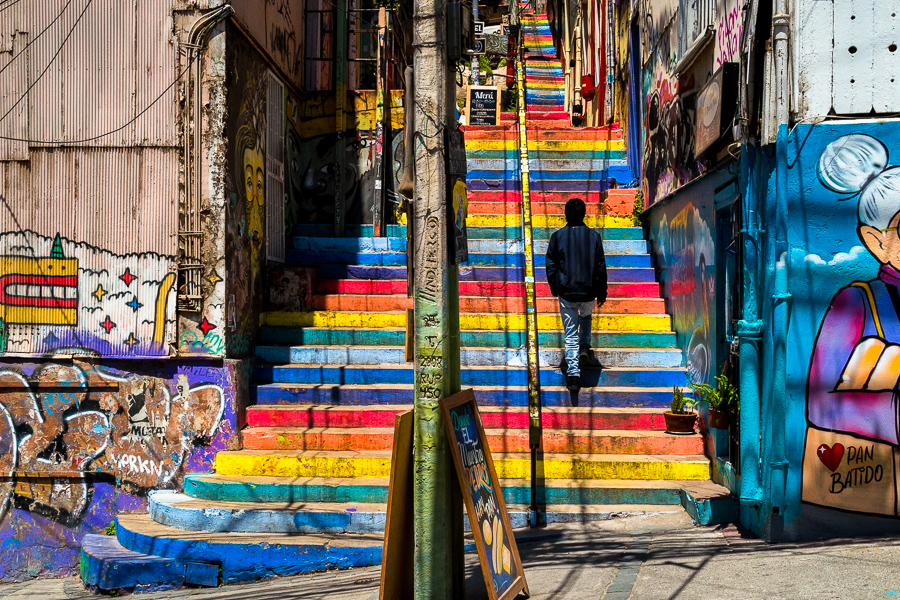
[
  {"x": 586, "y": 358},
  {"x": 573, "y": 383}
]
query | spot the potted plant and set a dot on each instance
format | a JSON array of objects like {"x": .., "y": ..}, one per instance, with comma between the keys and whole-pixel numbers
[
  {"x": 722, "y": 399},
  {"x": 681, "y": 418}
]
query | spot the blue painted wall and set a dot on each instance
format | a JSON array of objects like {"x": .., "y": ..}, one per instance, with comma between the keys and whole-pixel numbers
[{"x": 837, "y": 444}]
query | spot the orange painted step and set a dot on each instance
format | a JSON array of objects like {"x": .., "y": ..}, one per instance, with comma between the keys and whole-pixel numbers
[
  {"x": 554, "y": 441},
  {"x": 582, "y": 134}
]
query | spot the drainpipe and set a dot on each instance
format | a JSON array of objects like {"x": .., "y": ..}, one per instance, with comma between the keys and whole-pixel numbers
[
  {"x": 567, "y": 49},
  {"x": 190, "y": 230},
  {"x": 782, "y": 295},
  {"x": 750, "y": 327}
]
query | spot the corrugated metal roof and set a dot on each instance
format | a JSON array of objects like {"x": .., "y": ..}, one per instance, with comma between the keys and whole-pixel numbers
[{"x": 118, "y": 59}]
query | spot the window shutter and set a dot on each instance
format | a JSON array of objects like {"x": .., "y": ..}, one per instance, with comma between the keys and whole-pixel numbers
[{"x": 275, "y": 201}]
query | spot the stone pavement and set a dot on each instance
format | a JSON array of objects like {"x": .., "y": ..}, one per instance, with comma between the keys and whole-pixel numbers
[{"x": 654, "y": 557}]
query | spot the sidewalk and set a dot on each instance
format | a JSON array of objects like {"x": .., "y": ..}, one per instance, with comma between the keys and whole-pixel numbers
[{"x": 656, "y": 557}]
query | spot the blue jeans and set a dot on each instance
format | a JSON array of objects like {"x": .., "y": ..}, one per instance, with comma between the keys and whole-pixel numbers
[{"x": 576, "y": 318}]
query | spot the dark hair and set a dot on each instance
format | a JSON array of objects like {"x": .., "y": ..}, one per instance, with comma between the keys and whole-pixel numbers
[{"x": 575, "y": 210}]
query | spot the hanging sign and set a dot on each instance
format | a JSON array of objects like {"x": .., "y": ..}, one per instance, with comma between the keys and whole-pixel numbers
[
  {"x": 479, "y": 27},
  {"x": 494, "y": 540},
  {"x": 480, "y": 46},
  {"x": 483, "y": 105}
]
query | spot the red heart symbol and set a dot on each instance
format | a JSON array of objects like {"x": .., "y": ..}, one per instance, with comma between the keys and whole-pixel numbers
[{"x": 831, "y": 457}]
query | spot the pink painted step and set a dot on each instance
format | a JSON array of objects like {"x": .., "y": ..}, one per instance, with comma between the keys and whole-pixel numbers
[{"x": 494, "y": 417}]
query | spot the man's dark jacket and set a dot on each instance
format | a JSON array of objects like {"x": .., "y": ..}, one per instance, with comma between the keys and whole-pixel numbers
[{"x": 576, "y": 267}]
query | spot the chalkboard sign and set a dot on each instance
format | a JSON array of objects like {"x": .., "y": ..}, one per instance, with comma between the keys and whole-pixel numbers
[
  {"x": 497, "y": 551},
  {"x": 483, "y": 105},
  {"x": 480, "y": 46}
]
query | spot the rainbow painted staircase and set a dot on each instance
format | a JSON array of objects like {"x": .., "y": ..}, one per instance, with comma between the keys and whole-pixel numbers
[{"x": 308, "y": 491}]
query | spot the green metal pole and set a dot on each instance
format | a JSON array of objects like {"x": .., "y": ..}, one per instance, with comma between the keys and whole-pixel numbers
[{"x": 437, "y": 515}]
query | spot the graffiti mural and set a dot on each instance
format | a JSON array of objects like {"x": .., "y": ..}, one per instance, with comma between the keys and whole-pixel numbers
[
  {"x": 245, "y": 209},
  {"x": 683, "y": 234},
  {"x": 56, "y": 293},
  {"x": 851, "y": 397},
  {"x": 81, "y": 441}
]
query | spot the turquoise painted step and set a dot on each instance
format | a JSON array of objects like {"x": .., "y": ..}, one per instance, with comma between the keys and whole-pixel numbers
[
  {"x": 513, "y": 357},
  {"x": 324, "y": 336},
  {"x": 374, "y": 490},
  {"x": 475, "y": 260},
  {"x": 509, "y": 233},
  {"x": 393, "y": 394},
  {"x": 404, "y": 374},
  {"x": 246, "y": 558},
  {"x": 476, "y": 246},
  {"x": 183, "y": 512}
]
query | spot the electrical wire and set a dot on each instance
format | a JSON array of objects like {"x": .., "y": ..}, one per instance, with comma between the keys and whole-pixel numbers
[
  {"x": 14, "y": 2},
  {"x": 50, "y": 62},
  {"x": 120, "y": 128},
  {"x": 37, "y": 37}
]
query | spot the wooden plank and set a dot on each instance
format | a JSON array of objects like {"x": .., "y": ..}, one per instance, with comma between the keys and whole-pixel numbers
[
  {"x": 409, "y": 353},
  {"x": 494, "y": 539},
  {"x": 398, "y": 556}
]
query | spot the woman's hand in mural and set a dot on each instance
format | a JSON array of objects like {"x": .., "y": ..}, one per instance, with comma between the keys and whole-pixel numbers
[{"x": 874, "y": 365}]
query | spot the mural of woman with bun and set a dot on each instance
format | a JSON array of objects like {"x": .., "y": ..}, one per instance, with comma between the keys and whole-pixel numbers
[{"x": 852, "y": 390}]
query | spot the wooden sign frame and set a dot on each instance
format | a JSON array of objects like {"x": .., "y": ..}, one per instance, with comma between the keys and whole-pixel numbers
[
  {"x": 495, "y": 88},
  {"x": 397, "y": 554},
  {"x": 519, "y": 584}
]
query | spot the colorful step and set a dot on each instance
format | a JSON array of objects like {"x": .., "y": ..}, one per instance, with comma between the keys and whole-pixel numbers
[{"x": 282, "y": 463}]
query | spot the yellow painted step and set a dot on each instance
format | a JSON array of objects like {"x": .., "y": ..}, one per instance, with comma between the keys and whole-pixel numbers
[
  {"x": 256, "y": 463},
  {"x": 545, "y": 221},
  {"x": 489, "y": 321},
  {"x": 513, "y": 144}
]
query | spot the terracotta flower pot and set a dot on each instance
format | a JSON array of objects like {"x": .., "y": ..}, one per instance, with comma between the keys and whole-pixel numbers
[
  {"x": 719, "y": 419},
  {"x": 679, "y": 423}
]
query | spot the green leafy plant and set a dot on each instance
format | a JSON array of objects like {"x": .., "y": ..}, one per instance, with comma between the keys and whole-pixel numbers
[
  {"x": 111, "y": 528},
  {"x": 638, "y": 208},
  {"x": 513, "y": 99},
  {"x": 680, "y": 404},
  {"x": 723, "y": 397}
]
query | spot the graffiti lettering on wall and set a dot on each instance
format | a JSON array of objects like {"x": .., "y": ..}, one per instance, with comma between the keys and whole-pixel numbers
[
  {"x": 728, "y": 31},
  {"x": 61, "y": 421},
  {"x": 852, "y": 435},
  {"x": 55, "y": 293},
  {"x": 685, "y": 246}
]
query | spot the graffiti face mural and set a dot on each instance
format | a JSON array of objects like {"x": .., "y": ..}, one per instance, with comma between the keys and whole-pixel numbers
[
  {"x": 56, "y": 293},
  {"x": 852, "y": 388}
]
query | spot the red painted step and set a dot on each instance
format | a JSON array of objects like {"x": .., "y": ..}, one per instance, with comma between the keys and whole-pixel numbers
[{"x": 476, "y": 288}]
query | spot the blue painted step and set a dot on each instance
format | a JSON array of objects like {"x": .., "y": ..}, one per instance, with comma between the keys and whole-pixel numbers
[
  {"x": 466, "y": 273},
  {"x": 500, "y": 357},
  {"x": 508, "y": 233},
  {"x": 481, "y": 260},
  {"x": 390, "y": 394},
  {"x": 485, "y": 376},
  {"x": 247, "y": 558},
  {"x": 106, "y": 564}
]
